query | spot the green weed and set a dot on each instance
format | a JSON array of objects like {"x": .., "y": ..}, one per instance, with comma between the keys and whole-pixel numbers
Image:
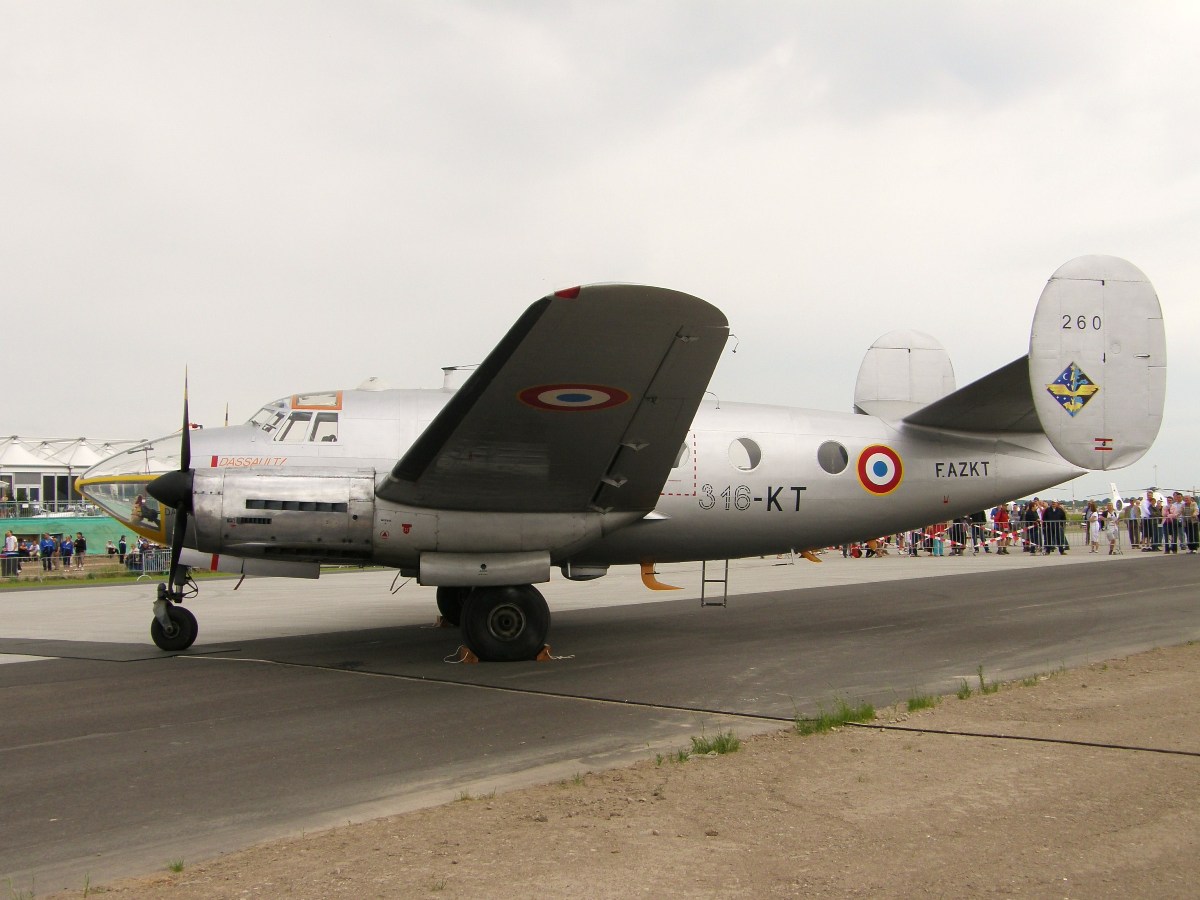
[
  {"x": 175, "y": 865},
  {"x": 984, "y": 686},
  {"x": 964, "y": 691},
  {"x": 841, "y": 714},
  {"x": 722, "y": 742},
  {"x": 922, "y": 701}
]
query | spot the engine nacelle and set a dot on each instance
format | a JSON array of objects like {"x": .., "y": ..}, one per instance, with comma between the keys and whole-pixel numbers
[{"x": 323, "y": 515}]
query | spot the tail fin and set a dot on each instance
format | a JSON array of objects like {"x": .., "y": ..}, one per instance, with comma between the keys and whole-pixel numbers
[
  {"x": 1094, "y": 380},
  {"x": 1098, "y": 362}
]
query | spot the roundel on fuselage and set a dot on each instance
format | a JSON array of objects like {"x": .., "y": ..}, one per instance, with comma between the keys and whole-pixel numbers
[{"x": 880, "y": 469}]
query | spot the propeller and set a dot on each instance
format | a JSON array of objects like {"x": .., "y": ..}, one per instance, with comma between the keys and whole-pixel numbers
[{"x": 174, "y": 489}]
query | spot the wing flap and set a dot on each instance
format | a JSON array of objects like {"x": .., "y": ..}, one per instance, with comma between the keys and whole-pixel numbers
[{"x": 582, "y": 405}]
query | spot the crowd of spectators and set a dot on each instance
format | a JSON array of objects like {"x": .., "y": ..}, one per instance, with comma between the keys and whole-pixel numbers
[
  {"x": 1153, "y": 523},
  {"x": 60, "y": 553}
]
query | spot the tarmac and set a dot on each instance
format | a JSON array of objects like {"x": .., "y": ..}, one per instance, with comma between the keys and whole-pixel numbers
[{"x": 308, "y": 704}]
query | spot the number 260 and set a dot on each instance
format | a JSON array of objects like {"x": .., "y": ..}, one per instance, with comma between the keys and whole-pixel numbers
[{"x": 1080, "y": 323}]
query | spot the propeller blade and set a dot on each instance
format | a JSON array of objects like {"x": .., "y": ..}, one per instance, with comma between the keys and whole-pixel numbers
[
  {"x": 185, "y": 453},
  {"x": 178, "y": 573}
]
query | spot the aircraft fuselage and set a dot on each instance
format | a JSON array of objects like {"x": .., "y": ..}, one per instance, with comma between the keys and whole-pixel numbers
[{"x": 749, "y": 480}]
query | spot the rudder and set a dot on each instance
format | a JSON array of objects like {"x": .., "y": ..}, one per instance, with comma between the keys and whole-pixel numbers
[{"x": 1098, "y": 362}]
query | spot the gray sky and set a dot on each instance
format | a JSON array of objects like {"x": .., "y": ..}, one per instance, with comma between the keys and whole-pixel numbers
[{"x": 293, "y": 195}]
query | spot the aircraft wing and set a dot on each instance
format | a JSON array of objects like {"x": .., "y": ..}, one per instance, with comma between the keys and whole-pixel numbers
[{"x": 583, "y": 405}]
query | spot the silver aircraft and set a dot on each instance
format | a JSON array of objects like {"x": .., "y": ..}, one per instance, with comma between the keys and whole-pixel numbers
[{"x": 584, "y": 441}]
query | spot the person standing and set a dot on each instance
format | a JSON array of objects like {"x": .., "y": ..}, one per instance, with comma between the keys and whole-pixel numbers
[
  {"x": 1133, "y": 516},
  {"x": 1091, "y": 522},
  {"x": 1111, "y": 529},
  {"x": 46, "y": 552},
  {"x": 66, "y": 549},
  {"x": 11, "y": 566},
  {"x": 1000, "y": 521},
  {"x": 80, "y": 549},
  {"x": 122, "y": 549},
  {"x": 1191, "y": 523}
]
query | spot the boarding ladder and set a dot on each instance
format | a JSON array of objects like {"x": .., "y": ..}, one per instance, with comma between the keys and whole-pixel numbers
[{"x": 705, "y": 581}]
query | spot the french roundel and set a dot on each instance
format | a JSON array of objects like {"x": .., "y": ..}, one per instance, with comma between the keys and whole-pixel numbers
[
  {"x": 563, "y": 397},
  {"x": 880, "y": 469}
]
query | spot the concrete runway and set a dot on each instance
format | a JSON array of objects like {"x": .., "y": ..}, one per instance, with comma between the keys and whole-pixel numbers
[{"x": 309, "y": 704}]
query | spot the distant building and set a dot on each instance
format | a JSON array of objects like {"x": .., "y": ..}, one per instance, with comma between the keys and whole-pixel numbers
[{"x": 37, "y": 475}]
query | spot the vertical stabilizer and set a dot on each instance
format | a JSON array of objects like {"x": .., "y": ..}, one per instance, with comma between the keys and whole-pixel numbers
[{"x": 1098, "y": 362}]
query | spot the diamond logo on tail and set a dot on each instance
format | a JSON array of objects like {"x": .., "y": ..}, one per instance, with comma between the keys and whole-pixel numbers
[{"x": 1072, "y": 389}]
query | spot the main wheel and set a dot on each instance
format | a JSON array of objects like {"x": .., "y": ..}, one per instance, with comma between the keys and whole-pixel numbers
[
  {"x": 181, "y": 634},
  {"x": 450, "y": 602},
  {"x": 505, "y": 624}
]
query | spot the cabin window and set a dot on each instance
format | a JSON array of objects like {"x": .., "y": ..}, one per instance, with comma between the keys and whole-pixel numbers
[
  {"x": 296, "y": 428},
  {"x": 682, "y": 456},
  {"x": 833, "y": 457},
  {"x": 745, "y": 454}
]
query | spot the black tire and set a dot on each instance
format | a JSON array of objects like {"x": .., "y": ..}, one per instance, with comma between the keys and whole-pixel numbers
[
  {"x": 450, "y": 603},
  {"x": 505, "y": 624},
  {"x": 182, "y": 633}
]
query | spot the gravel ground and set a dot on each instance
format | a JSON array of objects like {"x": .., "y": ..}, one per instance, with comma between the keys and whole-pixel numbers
[{"x": 942, "y": 802}]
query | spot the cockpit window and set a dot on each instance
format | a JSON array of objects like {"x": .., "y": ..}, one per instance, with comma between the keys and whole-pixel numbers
[
  {"x": 268, "y": 418},
  {"x": 326, "y": 429},
  {"x": 318, "y": 400},
  {"x": 296, "y": 427}
]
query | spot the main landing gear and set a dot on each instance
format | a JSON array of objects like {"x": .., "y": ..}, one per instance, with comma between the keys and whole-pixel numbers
[
  {"x": 173, "y": 627},
  {"x": 499, "y": 624}
]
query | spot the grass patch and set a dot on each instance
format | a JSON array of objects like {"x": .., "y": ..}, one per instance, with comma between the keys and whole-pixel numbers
[
  {"x": 986, "y": 687},
  {"x": 175, "y": 865},
  {"x": 964, "y": 691},
  {"x": 922, "y": 701},
  {"x": 841, "y": 714},
  {"x": 722, "y": 742}
]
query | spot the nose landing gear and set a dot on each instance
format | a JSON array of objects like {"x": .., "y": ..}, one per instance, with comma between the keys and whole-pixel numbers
[{"x": 173, "y": 627}]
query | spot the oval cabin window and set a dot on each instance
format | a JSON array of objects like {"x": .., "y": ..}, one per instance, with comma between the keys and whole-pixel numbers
[{"x": 745, "y": 454}]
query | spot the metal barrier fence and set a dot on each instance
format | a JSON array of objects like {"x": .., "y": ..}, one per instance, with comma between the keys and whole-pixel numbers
[
  {"x": 33, "y": 509},
  {"x": 956, "y": 538},
  {"x": 149, "y": 562}
]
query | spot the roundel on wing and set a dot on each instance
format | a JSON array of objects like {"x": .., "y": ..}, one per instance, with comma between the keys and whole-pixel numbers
[
  {"x": 880, "y": 469},
  {"x": 564, "y": 397}
]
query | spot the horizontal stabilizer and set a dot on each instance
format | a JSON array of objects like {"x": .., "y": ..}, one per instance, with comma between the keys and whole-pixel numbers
[{"x": 999, "y": 402}]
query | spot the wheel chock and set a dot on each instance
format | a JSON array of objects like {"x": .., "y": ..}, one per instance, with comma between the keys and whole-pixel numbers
[
  {"x": 650, "y": 580},
  {"x": 441, "y": 622},
  {"x": 811, "y": 557},
  {"x": 463, "y": 655},
  {"x": 544, "y": 654}
]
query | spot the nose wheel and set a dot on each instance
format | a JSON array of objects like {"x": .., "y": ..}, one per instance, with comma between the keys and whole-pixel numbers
[{"x": 173, "y": 627}]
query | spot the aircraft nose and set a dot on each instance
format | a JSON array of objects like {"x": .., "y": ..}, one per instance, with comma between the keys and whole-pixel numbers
[{"x": 118, "y": 485}]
